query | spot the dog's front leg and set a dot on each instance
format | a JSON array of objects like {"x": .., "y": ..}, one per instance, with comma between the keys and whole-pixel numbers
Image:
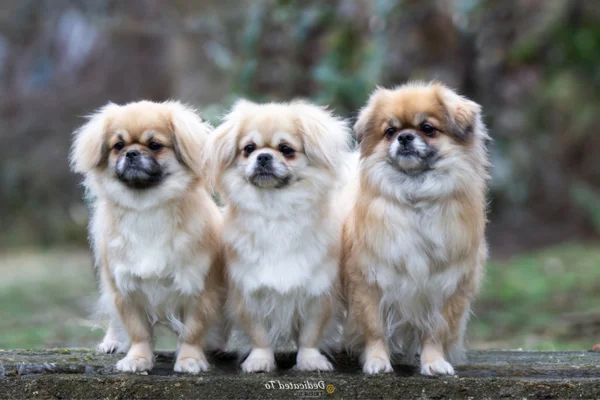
[
  {"x": 262, "y": 356},
  {"x": 112, "y": 342},
  {"x": 140, "y": 356},
  {"x": 199, "y": 316},
  {"x": 450, "y": 334},
  {"x": 318, "y": 316},
  {"x": 364, "y": 309}
]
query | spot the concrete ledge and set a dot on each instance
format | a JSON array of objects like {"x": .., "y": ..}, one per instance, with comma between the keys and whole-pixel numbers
[{"x": 488, "y": 374}]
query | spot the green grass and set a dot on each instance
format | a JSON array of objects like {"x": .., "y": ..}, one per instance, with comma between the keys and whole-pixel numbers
[
  {"x": 47, "y": 299},
  {"x": 546, "y": 300}
]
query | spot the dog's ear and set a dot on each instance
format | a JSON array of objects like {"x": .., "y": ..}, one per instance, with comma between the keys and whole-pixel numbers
[
  {"x": 326, "y": 137},
  {"x": 223, "y": 141},
  {"x": 364, "y": 121},
  {"x": 89, "y": 148},
  {"x": 223, "y": 146},
  {"x": 190, "y": 137},
  {"x": 361, "y": 126},
  {"x": 463, "y": 116}
]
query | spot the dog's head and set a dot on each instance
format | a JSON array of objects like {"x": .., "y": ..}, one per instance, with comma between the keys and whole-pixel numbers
[
  {"x": 141, "y": 150},
  {"x": 420, "y": 128},
  {"x": 416, "y": 126},
  {"x": 276, "y": 146}
]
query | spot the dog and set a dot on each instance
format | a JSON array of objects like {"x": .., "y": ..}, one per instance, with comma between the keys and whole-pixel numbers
[
  {"x": 414, "y": 242},
  {"x": 154, "y": 228},
  {"x": 277, "y": 167}
]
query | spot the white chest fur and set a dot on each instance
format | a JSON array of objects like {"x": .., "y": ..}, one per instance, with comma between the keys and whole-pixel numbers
[
  {"x": 150, "y": 255},
  {"x": 283, "y": 254}
]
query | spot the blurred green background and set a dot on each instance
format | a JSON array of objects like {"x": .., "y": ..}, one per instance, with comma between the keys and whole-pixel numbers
[{"x": 534, "y": 65}]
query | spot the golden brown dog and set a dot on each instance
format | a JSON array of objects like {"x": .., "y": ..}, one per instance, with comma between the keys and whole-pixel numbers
[{"x": 414, "y": 245}]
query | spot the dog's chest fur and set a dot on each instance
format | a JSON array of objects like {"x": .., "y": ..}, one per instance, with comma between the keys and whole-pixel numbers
[
  {"x": 282, "y": 254},
  {"x": 153, "y": 258},
  {"x": 416, "y": 255}
]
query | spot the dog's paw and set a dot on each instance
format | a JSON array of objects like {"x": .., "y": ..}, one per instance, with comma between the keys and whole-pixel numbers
[
  {"x": 376, "y": 365},
  {"x": 314, "y": 363},
  {"x": 191, "y": 365},
  {"x": 109, "y": 347},
  {"x": 259, "y": 361},
  {"x": 437, "y": 367},
  {"x": 134, "y": 364},
  {"x": 258, "y": 365}
]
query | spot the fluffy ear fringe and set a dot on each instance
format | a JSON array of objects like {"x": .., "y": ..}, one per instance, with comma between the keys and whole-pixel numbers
[
  {"x": 326, "y": 137},
  {"x": 191, "y": 137},
  {"x": 223, "y": 147},
  {"x": 463, "y": 115},
  {"x": 89, "y": 149},
  {"x": 363, "y": 121},
  {"x": 223, "y": 141}
]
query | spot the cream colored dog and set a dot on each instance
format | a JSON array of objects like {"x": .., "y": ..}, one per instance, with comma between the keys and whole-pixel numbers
[
  {"x": 154, "y": 228},
  {"x": 278, "y": 167},
  {"x": 414, "y": 244}
]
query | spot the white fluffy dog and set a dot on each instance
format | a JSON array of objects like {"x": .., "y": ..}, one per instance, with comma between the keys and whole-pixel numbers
[
  {"x": 278, "y": 167},
  {"x": 154, "y": 228}
]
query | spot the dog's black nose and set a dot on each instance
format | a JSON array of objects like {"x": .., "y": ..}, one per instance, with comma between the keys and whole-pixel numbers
[
  {"x": 131, "y": 154},
  {"x": 405, "y": 138},
  {"x": 264, "y": 159}
]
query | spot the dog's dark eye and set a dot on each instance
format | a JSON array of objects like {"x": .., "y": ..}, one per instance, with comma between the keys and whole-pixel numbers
[
  {"x": 428, "y": 129},
  {"x": 389, "y": 132},
  {"x": 155, "y": 146},
  {"x": 287, "y": 151},
  {"x": 119, "y": 146},
  {"x": 249, "y": 149}
]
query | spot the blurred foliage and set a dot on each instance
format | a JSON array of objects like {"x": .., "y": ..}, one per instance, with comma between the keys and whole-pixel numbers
[
  {"x": 533, "y": 65},
  {"x": 545, "y": 301}
]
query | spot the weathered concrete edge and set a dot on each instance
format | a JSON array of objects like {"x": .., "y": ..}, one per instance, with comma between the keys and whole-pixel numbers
[
  {"x": 160, "y": 387},
  {"x": 83, "y": 374},
  {"x": 574, "y": 364}
]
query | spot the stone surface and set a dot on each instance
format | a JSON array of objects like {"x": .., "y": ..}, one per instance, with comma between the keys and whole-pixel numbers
[{"x": 72, "y": 373}]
